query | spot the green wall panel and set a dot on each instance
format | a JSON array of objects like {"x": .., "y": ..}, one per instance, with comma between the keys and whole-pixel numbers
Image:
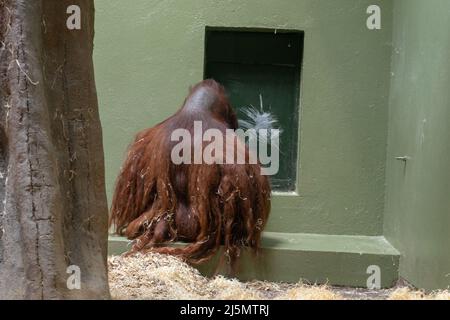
[
  {"x": 417, "y": 218},
  {"x": 148, "y": 52}
]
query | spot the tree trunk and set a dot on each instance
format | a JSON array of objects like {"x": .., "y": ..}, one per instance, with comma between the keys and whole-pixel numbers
[{"x": 53, "y": 211}]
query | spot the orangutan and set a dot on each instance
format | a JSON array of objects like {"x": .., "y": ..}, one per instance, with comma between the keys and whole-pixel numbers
[{"x": 206, "y": 205}]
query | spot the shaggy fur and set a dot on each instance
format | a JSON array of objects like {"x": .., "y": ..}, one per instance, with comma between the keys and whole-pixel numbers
[{"x": 156, "y": 201}]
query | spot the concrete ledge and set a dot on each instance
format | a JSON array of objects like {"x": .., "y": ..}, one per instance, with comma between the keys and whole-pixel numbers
[{"x": 289, "y": 257}]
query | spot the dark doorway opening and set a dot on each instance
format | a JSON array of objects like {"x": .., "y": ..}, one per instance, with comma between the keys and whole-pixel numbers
[{"x": 256, "y": 65}]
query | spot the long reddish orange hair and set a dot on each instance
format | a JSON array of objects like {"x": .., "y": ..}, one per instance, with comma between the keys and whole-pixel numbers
[{"x": 156, "y": 201}]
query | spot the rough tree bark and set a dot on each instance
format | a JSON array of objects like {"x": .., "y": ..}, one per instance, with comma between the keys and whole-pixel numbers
[{"x": 53, "y": 210}]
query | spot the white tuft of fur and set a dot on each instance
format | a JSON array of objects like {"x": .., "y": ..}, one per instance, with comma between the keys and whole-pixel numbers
[{"x": 258, "y": 119}]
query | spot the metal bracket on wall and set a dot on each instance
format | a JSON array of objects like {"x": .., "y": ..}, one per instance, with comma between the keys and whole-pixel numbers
[{"x": 404, "y": 159}]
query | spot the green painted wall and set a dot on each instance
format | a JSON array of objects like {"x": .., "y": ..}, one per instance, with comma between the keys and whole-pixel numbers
[
  {"x": 417, "y": 217},
  {"x": 148, "y": 52}
]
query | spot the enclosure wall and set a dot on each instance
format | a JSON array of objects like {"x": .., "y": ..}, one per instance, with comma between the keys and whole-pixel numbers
[
  {"x": 147, "y": 54},
  {"x": 417, "y": 216}
]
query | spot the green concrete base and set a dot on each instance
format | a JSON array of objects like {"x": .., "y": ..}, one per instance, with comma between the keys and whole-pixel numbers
[{"x": 290, "y": 257}]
